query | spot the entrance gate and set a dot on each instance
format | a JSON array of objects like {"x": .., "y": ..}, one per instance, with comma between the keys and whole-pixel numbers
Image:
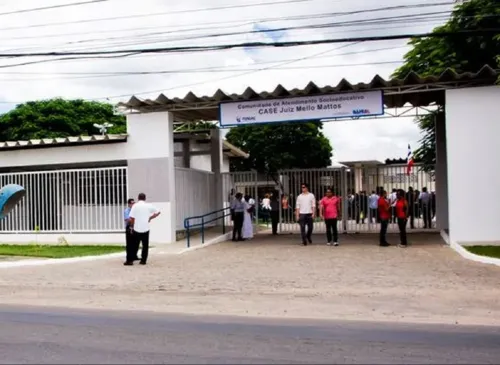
[{"x": 347, "y": 183}]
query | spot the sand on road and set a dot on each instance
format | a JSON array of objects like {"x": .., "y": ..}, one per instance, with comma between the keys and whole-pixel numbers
[{"x": 275, "y": 277}]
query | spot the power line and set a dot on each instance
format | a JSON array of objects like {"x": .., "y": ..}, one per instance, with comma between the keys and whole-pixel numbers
[
  {"x": 232, "y": 76},
  {"x": 230, "y": 22},
  {"x": 183, "y": 49},
  {"x": 119, "y": 56},
  {"x": 393, "y": 19},
  {"x": 175, "y": 12},
  {"x": 406, "y": 18},
  {"x": 53, "y": 7},
  {"x": 201, "y": 70},
  {"x": 409, "y": 19}
]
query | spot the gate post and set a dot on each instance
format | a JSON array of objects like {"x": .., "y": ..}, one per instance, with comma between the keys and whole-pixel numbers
[
  {"x": 256, "y": 198},
  {"x": 345, "y": 201}
]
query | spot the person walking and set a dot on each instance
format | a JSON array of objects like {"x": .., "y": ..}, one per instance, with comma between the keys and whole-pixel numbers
[
  {"x": 402, "y": 213},
  {"x": 385, "y": 215},
  {"x": 129, "y": 234},
  {"x": 305, "y": 212},
  {"x": 329, "y": 208},
  {"x": 275, "y": 212},
  {"x": 238, "y": 211},
  {"x": 140, "y": 217}
]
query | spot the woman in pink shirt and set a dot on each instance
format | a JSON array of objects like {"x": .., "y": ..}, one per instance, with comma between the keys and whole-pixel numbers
[{"x": 329, "y": 208}]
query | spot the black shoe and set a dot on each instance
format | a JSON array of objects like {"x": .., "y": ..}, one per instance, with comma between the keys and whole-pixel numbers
[
  {"x": 304, "y": 243},
  {"x": 142, "y": 262},
  {"x": 309, "y": 240},
  {"x": 385, "y": 244},
  {"x": 234, "y": 240},
  {"x": 128, "y": 263}
]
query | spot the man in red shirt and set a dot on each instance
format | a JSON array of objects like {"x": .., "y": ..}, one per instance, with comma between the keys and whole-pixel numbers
[
  {"x": 329, "y": 208},
  {"x": 384, "y": 212}
]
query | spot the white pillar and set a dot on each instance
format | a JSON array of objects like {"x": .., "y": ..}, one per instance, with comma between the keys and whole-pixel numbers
[
  {"x": 472, "y": 130},
  {"x": 216, "y": 154},
  {"x": 151, "y": 170},
  {"x": 441, "y": 174},
  {"x": 358, "y": 178}
]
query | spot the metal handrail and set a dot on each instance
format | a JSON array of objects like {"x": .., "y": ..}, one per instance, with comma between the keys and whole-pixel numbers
[{"x": 225, "y": 212}]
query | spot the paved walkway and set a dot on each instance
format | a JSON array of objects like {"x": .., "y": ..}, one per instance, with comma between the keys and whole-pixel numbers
[{"x": 277, "y": 277}]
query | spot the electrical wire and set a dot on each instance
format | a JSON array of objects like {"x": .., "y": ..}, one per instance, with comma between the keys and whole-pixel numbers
[
  {"x": 175, "y": 12},
  {"x": 249, "y": 45},
  {"x": 53, "y": 7},
  {"x": 225, "y": 23},
  {"x": 119, "y": 56},
  {"x": 395, "y": 19},
  {"x": 201, "y": 70}
]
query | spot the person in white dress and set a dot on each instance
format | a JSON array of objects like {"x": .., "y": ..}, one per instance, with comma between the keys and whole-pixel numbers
[{"x": 247, "y": 221}]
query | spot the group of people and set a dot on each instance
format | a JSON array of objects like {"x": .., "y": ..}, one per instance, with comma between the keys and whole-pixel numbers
[
  {"x": 137, "y": 217},
  {"x": 421, "y": 204},
  {"x": 383, "y": 209},
  {"x": 242, "y": 212}
]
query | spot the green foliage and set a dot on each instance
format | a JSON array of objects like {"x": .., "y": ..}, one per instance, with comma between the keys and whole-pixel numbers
[
  {"x": 281, "y": 146},
  {"x": 58, "y": 118},
  {"x": 432, "y": 56}
]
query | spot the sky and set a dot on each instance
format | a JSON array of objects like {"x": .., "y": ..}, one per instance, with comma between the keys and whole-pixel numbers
[{"x": 127, "y": 24}]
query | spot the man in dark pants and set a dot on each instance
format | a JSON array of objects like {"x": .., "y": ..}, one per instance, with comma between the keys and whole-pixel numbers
[
  {"x": 425, "y": 203},
  {"x": 305, "y": 211},
  {"x": 129, "y": 234},
  {"x": 329, "y": 208},
  {"x": 275, "y": 212},
  {"x": 385, "y": 214},
  {"x": 141, "y": 215},
  {"x": 238, "y": 211},
  {"x": 410, "y": 199}
]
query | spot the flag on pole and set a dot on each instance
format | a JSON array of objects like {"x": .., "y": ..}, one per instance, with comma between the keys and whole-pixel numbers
[{"x": 409, "y": 161}]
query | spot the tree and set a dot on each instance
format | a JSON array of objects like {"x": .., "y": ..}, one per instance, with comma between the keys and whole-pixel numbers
[
  {"x": 58, "y": 118},
  {"x": 281, "y": 146},
  {"x": 432, "y": 56}
]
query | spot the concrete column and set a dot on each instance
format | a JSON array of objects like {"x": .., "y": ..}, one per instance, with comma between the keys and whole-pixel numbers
[
  {"x": 186, "y": 153},
  {"x": 216, "y": 155},
  {"x": 441, "y": 174},
  {"x": 358, "y": 178},
  {"x": 151, "y": 170}
]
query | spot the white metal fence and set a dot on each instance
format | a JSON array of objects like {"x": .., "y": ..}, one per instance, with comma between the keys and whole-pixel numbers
[
  {"x": 77, "y": 200},
  {"x": 195, "y": 194},
  {"x": 354, "y": 186}
]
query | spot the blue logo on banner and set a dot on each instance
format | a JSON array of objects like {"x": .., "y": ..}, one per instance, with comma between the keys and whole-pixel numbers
[
  {"x": 360, "y": 111},
  {"x": 245, "y": 119}
]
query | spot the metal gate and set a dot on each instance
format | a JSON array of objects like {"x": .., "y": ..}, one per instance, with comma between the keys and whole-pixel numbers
[{"x": 353, "y": 185}]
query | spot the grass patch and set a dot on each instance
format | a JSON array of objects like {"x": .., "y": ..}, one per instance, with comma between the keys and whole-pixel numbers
[
  {"x": 57, "y": 251},
  {"x": 489, "y": 251}
]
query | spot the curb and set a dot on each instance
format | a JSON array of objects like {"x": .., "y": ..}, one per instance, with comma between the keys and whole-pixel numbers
[
  {"x": 467, "y": 254},
  {"x": 222, "y": 238}
]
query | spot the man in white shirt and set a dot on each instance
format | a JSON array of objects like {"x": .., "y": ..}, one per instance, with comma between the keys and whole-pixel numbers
[
  {"x": 393, "y": 197},
  {"x": 373, "y": 205},
  {"x": 140, "y": 215},
  {"x": 305, "y": 212}
]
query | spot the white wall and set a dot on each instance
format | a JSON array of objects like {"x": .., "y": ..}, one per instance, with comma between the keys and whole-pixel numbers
[
  {"x": 472, "y": 133},
  {"x": 65, "y": 155},
  {"x": 204, "y": 162},
  {"x": 194, "y": 189}
]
